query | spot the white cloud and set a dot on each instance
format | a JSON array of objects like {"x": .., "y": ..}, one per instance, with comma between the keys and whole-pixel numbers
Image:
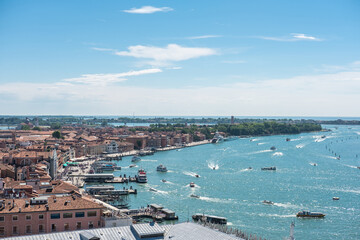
[
  {"x": 103, "y": 79},
  {"x": 205, "y": 36},
  {"x": 292, "y": 38},
  {"x": 170, "y": 53},
  {"x": 148, "y": 10},
  {"x": 333, "y": 94}
]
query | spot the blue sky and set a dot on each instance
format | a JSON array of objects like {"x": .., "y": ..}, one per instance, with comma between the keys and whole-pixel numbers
[{"x": 243, "y": 58}]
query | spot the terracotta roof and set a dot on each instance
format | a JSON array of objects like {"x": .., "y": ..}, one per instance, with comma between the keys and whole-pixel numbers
[{"x": 60, "y": 204}]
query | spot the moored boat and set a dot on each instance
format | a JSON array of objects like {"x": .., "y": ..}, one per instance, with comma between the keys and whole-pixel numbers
[{"x": 310, "y": 214}]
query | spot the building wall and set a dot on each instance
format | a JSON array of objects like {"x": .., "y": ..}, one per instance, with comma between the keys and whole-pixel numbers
[{"x": 22, "y": 223}]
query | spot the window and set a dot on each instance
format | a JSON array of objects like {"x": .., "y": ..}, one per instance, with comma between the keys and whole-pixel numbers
[
  {"x": 15, "y": 230},
  {"x": 28, "y": 217},
  {"x": 66, "y": 227},
  {"x": 53, "y": 227},
  {"x": 55, "y": 216},
  {"x": 2, "y": 231},
  {"x": 91, "y": 225},
  {"x": 79, "y": 214},
  {"x": 15, "y": 218},
  {"x": 91, "y": 214},
  {"x": 28, "y": 229},
  {"x": 41, "y": 216},
  {"x": 67, "y": 215},
  {"x": 41, "y": 228},
  {"x": 2, "y": 218},
  {"x": 114, "y": 224},
  {"x": 78, "y": 225}
]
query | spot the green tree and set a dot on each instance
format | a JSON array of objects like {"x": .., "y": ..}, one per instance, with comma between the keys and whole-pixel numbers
[
  {"x": 25, "y": 127},
  {"x": 56, "y": 134}
]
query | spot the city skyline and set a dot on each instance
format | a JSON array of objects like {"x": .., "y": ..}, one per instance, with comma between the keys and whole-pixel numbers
[{"x": 173, "y": 58}]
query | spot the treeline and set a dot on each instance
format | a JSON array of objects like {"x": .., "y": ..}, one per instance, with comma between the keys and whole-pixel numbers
[{"x": 241, "y": 129}]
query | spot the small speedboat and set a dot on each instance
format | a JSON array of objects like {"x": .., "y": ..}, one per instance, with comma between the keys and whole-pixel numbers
[
  {"x": 273, "y": 148},
  {"x": 268, "y": 168},
  {"x": 288, "y": 139},
  {"x": 197, "y": 175},
  {"x": 194, "y": 196},
  {"x": 336, "y": 198},
  {"x": 358, "y": 167},
  {"x": 214, "y": 168},
  {"x": 132, "y": 165},
  {"x": 192, "y": 184},
  {"x": 249, "y": 168},
  {"x": 135, "y": 159},
  {"x": 152, "y": 189},
  {"x": 268, "y": 202},
  {"x": 164, "y": 180},
  {"x": 314, "y": 164}
]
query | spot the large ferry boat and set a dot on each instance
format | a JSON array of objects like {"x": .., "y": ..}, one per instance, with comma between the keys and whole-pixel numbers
[
  {"x": 141, "y": 177},
  {"x": 310, "y": 214}
]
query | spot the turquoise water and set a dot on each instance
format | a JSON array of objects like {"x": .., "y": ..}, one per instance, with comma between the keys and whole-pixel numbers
[{"x": 235, "y": 192}]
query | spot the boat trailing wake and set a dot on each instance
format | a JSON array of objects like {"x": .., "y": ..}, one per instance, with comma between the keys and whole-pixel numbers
[
  {"x": 278, "y": 154},
  {"x": 261, "y": 143},
  {"x": 192, "y": 174},
  {"x": 301, "y": 145},
  {"x": 213, "y": 166},
  {"x": 148, "y": 160}
]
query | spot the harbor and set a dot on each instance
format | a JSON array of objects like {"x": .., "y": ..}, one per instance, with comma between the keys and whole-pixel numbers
[{"x": 238, "y": 164}]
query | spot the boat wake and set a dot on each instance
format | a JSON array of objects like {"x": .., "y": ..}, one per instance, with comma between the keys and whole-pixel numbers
[
  {"x": 261, "y": 143},
  {"x": 276, "y": 215},
  {"x": 319, "y": 139},
  {"x": 148, "y": 160},
  {"x": 295, "y": 139},
  {"x": 358, "y": 133},
  {"x": 245, "y": 170},
  {"x": 213, "y": 166},
  {"x": 287, "y": 205},
  {"x": 262, "y": 151},
  {"x": 278, "y": 154},
  {"x": 217, "y": 200},
  {"x": 301, "y": 145},
  {"x": 350, "y": 166},
  {"x": 192, "y": 174}
]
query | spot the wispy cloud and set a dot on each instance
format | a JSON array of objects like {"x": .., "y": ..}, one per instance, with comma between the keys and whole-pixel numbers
[
  {"x": 292, "y": 38},
  {"x": 104, "y": 79},
  {"x": 166, "y": 55},
  {"x": 148, "y": 10},
  {"x": 312, "y": 95},
  {"x": 103, "y": 49},
  {"x": 205, "y": 36}
]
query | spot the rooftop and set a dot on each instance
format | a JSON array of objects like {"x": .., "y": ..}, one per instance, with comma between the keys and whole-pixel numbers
[{"x": 181, "y": 231}]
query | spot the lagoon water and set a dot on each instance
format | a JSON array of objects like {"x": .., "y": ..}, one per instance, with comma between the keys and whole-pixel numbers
[{"x": 235, "y": 192}]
